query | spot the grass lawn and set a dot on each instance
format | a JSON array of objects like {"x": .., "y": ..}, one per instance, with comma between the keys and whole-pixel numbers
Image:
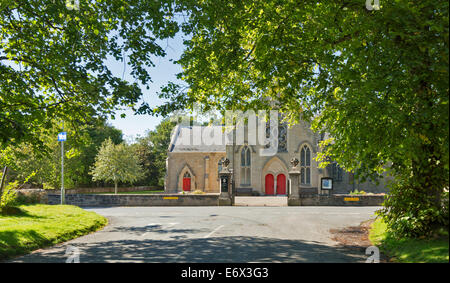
[
  {"x": 409, "y": 250},
  {"x": 42, "y": 225}
]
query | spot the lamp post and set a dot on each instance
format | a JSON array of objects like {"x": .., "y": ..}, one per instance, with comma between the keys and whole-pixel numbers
[{"x": 233, "y": 189}]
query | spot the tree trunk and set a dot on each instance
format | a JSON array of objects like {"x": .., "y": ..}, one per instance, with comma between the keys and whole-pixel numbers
[
  {"x": 115, "y": 188},
  {"x": 2, "y": 182}
]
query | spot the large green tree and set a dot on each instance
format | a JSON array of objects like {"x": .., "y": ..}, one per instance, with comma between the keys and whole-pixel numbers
[
  {"x": 377, "y": 80},
  {"x": 53, "y": 60}
]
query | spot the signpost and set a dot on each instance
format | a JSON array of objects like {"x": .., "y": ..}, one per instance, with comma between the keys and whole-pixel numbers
[{"x": 62, "y": 137}]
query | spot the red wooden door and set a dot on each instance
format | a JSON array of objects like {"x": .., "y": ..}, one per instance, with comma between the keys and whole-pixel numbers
[
  {"x": 281, "y": 184},
  {"x": 186, "y": 184},
  {"x": 269, "y": 184}
]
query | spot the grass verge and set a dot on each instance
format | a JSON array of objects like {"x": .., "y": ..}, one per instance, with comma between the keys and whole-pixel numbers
[
  {"x": 409, "y": 250},
  {"x": 39, "y": 225}
]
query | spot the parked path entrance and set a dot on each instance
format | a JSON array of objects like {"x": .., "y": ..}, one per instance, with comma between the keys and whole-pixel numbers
[{"x": 261, "y": 201}]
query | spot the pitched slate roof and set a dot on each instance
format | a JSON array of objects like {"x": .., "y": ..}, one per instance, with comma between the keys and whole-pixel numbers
[{"x": 187, "y": 139}]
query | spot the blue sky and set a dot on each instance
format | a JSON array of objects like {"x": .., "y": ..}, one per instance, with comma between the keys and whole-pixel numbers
[{"x": 164, "y": 71}]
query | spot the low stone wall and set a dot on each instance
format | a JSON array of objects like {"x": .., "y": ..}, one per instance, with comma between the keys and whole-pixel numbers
[
  {"x": 341, "y": 200},
  {"x": 136, "y": 200},
  {"x": 32, "y": 196},
  {"x": 104, "y": 190},
  {"x": 244, "y": 192}
]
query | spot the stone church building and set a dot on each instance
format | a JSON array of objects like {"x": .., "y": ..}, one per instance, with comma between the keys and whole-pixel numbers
[{"x": 195, "y": 165}]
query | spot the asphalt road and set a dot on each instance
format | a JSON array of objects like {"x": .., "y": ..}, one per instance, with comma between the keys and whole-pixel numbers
[{"x": 214, "y": 234}]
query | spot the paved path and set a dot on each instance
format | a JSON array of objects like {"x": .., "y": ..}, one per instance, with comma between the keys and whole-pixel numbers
[
  {"x": 214, "y": 234},
  {"x": 261, "y": 201}
]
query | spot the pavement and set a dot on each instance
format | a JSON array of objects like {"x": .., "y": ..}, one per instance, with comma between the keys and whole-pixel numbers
[
  {"x": 261, "y": 201},
  {"x": 213, "y": 234}
]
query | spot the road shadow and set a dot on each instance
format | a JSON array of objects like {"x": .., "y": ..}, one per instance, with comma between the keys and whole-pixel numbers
[{"x": 217, "y": 249}]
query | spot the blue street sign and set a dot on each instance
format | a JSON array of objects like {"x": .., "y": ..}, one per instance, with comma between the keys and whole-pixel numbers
[{"x": 62, "y": 136}]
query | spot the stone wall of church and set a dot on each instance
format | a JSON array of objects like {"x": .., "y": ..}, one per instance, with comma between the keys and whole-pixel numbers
[
  {"x": 202, "y": 167},
  {"x": 347, "y": 185},
  {"x": 298, "y": 136},
  {"x": 343, "y": 186}
]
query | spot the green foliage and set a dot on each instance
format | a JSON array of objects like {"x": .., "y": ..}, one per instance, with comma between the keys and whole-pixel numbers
[
  {"x": 116, "y": 163},
  {"x": 81, "y": 148},
  {"x": 152, "y": 153},
  {"x": 53, "y": 60},
  {"x": 356, "y": 192},
  {"x": 412, "y": 212},
  {"x": 28, "y": 199},
  {"x": 376, "y": 81},
  {"x": 8, "y": 199},
  {"x": 48, "y": 186}
]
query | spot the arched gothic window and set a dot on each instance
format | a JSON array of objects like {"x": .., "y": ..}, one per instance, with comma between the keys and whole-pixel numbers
[
  {"x": 282, "y": 137},
  {"x": 282, "y": 134},
  {"x": 187, "y": 175},
  {"x": 245, "y": 166},
  {"x": 305, "y": 165}
]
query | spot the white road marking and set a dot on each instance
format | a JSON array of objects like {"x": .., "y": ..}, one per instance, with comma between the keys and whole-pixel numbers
[
  {"x": 189, "y": 248},
  {"x": 213, "y": 231}
]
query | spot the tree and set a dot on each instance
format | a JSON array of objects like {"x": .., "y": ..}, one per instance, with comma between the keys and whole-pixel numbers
[
  {"x": 95, "y": 135},
  {"x": 53, "y": 60},
  {"x": 80, "y": 150},
  {"x": 116, "y": 163},
  {"x": 376, "y": 80},
  {"x": 152, "y": 152}
]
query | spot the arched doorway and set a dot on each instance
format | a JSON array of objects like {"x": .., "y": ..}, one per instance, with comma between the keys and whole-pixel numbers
[
  {"x": 275, "y": 167},
  {"x": 187, "y": 182},
  {"x": 281, "y": 184},
  {"x": 269, "y": 184}
]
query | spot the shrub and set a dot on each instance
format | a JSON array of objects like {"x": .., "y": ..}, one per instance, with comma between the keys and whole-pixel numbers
[
  {"x": 8, "y": 200},
  {"x": 31, "y": 197},
  {"x": 356, "y": 192},
  {"x": 198, "y": 192},
  {"x": 413, "y": 212},
  {"x": 48, "y": 186}
]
